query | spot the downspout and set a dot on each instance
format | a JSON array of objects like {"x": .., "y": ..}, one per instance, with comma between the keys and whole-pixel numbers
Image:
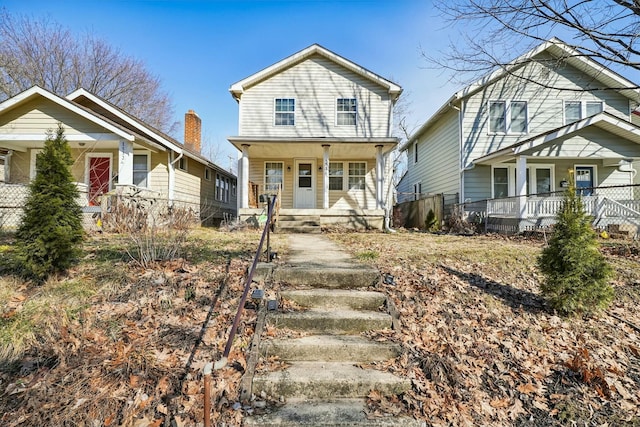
[
  {"x": 460, "y": 151},
  {"x": 172, "y": 175}
]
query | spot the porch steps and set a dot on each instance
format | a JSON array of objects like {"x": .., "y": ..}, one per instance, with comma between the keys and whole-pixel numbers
[
  {"x": 298, "y": 224},
  {"x": 324, "y": 383}
]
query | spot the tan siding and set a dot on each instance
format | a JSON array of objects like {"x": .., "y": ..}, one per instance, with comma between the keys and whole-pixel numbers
[
  {"x": 159, "y": 174},
  {"x": 188, "y": 182},
  {"x": 315, "y": 84},
  {"x": 41, "y": 115}
]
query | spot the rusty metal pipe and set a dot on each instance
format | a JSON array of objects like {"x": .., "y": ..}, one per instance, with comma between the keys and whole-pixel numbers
[{"x": 207, "y": 394}]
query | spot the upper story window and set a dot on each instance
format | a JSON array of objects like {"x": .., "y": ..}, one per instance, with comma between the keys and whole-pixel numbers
[
  {"x": 285, "y": 112},
  {"x": 508, "y": 117},
  {"x": 347, "y": 110},
  {"x": 577, "y": 110},
  {"x": 415, "y": 152}
]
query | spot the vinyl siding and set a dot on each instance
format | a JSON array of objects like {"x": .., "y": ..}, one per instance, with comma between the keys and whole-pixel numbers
[
  {"x": 590, "y": 143},
  {"x": 315, "y": 84},
  {"x": 438, "y": 159},
  {"x": 477, "y": 183},
  {"x": 41, "y": 115},
  {"x": 544, "y": 105}
]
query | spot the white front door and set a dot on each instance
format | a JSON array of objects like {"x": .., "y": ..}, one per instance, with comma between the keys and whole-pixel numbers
[{"x": 305, "y": 184}]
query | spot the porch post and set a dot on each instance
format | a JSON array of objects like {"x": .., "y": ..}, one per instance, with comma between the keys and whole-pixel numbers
[
  {"x": 379, "y": 176},
  {"x": 325, "y": 176},
  {"x": 244, "y": 177},
  {"x": 125, "y": 163},
  {"x": 521, "y": 186}
]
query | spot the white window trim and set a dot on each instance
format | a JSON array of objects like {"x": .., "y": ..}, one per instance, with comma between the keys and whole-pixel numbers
[
  {"x": 417, "y": 190},
  {"x": 583, "y": 108},
  {"x": 207, "y": 174},
  {"x": 343, "y": 175},
  {"x": 86, "y": 167},
  {"x": 532, "y": 182},
  {"x": 148, "y": 154},
  {"x": 32, "y": 162},
  {"x": 185, "y": 164},
  {"x": 507, "y": 114},
  {"x": 355, "y": 113},
  {"x": 415, "y": 152},
  {"x": 347, "y": 175},
  {"x": 295, "y": 102},
  {"x": 264, "y": 173}
]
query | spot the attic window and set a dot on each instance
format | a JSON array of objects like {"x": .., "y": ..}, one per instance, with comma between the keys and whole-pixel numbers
[
  {"x": 346, "y": 110},
  {"x": 285, "y": 112}
]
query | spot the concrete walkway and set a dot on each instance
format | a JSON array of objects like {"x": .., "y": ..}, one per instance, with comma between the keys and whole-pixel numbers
[{"x": 317, "y": 250}]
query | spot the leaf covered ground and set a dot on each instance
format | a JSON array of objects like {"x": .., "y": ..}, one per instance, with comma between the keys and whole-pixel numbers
[
  {"x": 483, "y": 349},
  {"x": 113, "y": 344}
]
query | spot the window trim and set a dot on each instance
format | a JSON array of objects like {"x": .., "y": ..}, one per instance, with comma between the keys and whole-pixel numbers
[
  {"x": 415, "y": 152},
  {"x": 342, "y": 186},
  {"x": 511, "y": 177},
  {"x": 148, "y": 171},
  {"x": 264, "y": 172},
  {"x": 276, "y": 112},
  {"x": 348, "y": 187},
  {"x": 207, "y": 173},
  {"x": 507, "y": 117},
  {"x": 583, "y": 108},
  {"x": 347, "y": 113},
  {"x": 183, "y": 165},
  {"x": 32, "y": 162},
  {"x": 417, "y": 190}
]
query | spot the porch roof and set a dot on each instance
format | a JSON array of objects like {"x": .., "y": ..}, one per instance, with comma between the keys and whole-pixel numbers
[
  {"x": 605, "y": 121},
  {"x": 344, "y": 148}
]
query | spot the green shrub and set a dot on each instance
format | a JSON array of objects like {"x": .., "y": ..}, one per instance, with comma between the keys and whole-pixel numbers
[
  {"x": 575, "y": 272},
  {"x": 48, "y": 238}
]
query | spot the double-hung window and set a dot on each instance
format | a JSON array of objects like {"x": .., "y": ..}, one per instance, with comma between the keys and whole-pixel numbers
[
  {"x": 577, "y": 110},
  {"x": 336, "y": 176},
  {"x": 357, "y": 175},
  {"x": 509, "y": 117},
  {"x": 285, "y": 112},
  {"x": 141, "y": 170},
  {"x": 346, "y": 111},
  {"x": 273, "y": 176}
]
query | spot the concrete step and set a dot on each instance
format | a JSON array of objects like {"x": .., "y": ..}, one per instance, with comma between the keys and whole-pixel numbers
[
  {"x": 320, "y": 321},
  {"x": 330, "y": 348},
  {"x": 295, "y": 229},
  {"x": 327, "y": 277},
  {"x": 324, "y": 380},
  {"x": 331, "y": 298},
  {"x": 288, "y": 217},
  {"x": 326, "y": 413},
  {"x": 297, "y": 223}
]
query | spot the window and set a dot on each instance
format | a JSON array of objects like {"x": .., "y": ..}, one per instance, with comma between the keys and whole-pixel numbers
[
  {"x": 415, "y": 152},
  {"x": 357, "y": 173},
  {"x": 508, "y": 117},
  {"x": 233, "y": 188},
  {"x": 336, "y": 176},
  {"x": 417, "y": 191},
  {"x": 285, "y": 112},
  {"x": 222, "y": 188},
  {"x": 577, "y": 110},
  {"x": 141, "y": 170},
  {"x": 182, "y": 163},
  {"x": 207, "y": 174},
  {"x": 539, "y": 180},
  {"x": 273, "y": 176},
  {"x": 347, "y": 109}
]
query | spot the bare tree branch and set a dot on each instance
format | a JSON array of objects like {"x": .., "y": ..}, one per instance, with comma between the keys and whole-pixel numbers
[{"x": 43, "y": 53}]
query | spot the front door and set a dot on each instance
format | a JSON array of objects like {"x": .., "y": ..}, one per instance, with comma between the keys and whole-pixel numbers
[
  {"x": 99, "y": 175},
  {"x": 584, "y": 180},
  {"x": 305, "y": 188}
]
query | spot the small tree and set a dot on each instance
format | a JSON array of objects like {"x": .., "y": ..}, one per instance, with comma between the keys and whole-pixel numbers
[
  {"x": 575, "y": 271},
  {"x": 51, "y": 229}
]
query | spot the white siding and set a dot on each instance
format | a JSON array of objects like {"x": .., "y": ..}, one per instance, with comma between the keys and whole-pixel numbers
[{"x": 315, "y": 84}]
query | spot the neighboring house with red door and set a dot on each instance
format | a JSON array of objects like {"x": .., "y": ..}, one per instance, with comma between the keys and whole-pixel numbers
[
  {"x": 523, "y": 132},
  {"x": 316, "y": 127},
  {"x": 112, "y": 151}
]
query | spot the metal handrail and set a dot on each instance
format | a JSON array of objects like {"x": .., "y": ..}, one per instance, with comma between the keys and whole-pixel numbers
[{"x": 243, "y": 299}]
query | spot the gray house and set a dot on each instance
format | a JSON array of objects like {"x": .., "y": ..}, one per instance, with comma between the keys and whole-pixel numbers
[{"x": 524, "y": 131}]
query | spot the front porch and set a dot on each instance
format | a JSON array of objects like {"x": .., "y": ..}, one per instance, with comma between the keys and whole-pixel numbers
[
  {"x": 615, "y": 209},
  {"x": 313, "y": 220}
]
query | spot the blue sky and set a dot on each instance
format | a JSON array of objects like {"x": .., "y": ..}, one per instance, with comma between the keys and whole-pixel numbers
[{"x": 199, "y": 48}]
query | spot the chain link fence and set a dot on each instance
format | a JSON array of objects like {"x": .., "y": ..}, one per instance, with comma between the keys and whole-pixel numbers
[{"x": 615, "y": 212}]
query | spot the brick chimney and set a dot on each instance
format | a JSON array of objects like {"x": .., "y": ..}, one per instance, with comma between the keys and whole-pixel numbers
[{"x": 192, "y": 131}]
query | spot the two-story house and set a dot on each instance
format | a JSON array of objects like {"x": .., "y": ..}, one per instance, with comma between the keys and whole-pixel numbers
[
  {"x": 550, "y": 116},
  {"x": 316, "y": 128}
]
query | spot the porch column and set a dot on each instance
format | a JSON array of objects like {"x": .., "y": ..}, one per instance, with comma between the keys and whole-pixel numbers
[
  {"x": 244, "y": 177},
  {"x": 125, "y": 163},
  {"x": 379, "y": 176},
  {"x": 521, "y": 185},
  {"x": 7, "y": 166},
  {"x": 325, "y": 176}
]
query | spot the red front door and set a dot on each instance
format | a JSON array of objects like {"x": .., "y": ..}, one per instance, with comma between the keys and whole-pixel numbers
[{"x": 99, "y": 175}]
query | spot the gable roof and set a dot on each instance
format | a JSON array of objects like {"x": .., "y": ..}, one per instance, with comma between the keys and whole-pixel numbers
[
  {"x": 238, "y": 88},
  {"x": 604, "y": 120},
  {"x": 558, "y": 49},
  {"x": 36, "y": 91}
]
